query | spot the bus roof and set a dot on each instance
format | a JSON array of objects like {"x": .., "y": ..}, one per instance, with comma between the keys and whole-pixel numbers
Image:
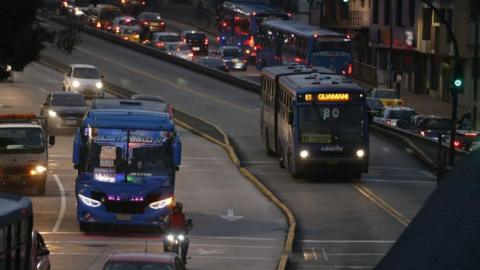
[
  {"x": 302, "y": 29},
  {"x": 274, "y": 71},
  {"x": 250, "y": 7},
  {"x": 303, "y": 83},
  {"x": 134, "y": 119},
  {"x": 127, "y": 104},
  {"x": 13, "y": 207}
]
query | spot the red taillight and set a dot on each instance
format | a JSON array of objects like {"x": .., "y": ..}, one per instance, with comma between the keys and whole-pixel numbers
[
  {"x": 162, "y": 23},
  {"x": 159, "y": 44},
  {"x": 224, "y": 24},
  {"x": 143, "y": 3},
  {"x": 205, "y": 42},
  {"x": 298, "y": 59},
  {"x": 145, "y": 22},
  {"x": 126, "y": 38},
  {"x": 471, "y": 134},
  {"x": 457, "y": 143},
  {"x": 350, "y": 69},
  {"x": 218, "y": 39},
  {"x": 422, "y": 133},
  {"x": 99, "y": 25},
  {"x": 389, "y": 122}
]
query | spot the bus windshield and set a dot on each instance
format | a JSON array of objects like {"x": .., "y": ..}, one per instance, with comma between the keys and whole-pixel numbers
[
  {"x": 332, "y": 45},
  {"x": 21, "y": 140},
  {"x": 112, "y": 159},
  {"x": 330, "y": 123}
]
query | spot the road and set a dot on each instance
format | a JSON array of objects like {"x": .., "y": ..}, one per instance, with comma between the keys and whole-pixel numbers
[
  {"x": 232, "y": 220},
  {"x": 342, "y": 224}
]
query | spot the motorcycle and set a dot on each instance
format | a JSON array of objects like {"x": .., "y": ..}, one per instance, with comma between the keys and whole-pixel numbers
[{"x": 177, "y": 242}]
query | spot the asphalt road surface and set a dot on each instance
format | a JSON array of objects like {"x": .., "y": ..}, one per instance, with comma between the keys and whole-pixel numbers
[
  {"x": 235, "y": 227},
  {"x": 341, "y": 224}
]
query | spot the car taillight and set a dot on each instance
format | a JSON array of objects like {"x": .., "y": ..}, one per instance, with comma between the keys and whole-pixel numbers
[
  {"x": 457, "y": 143},
  {"x": 205, "y": 41},
  {"x": 162, "y": 23},
  {"x": 159, "y": 44},
  {"x": 471, "y": 134},
  {"x": 126, "y": 38},
  {"x": 350, "y": 69},
  {"x": 99, "y": 25},
  {"x": 389, "y": 122},
  {"x": 145, "y": 23},
  {"x": 422, "y": 133},
  {"x": 143, "y": 3}
]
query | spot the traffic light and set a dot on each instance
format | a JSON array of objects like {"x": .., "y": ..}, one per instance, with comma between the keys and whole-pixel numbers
[{"x": 457, "y": 80}]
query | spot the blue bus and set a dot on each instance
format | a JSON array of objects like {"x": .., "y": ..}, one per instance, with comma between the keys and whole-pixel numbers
[
  {"x": 126, "y": 153},
  {"x": 238, "y": 23},
  {"x": 315, "y": 121},
  {"x": 284, "y": 42}
]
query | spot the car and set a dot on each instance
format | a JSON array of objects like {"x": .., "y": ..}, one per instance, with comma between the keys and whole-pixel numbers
[
  {"x": 102, "y": 15},
  {"x": 125, "y": 22},
  {"x": 182, "y": 51},
  {"x": 375, "y": 107},
  {"x": 431, "y": 126},
  {"x": 196, "y": 40},
  {"x": 161, "y": 40},
  {"x": 396, "y": 116},
  {"x": 129, "y": 34},
  {"x": 212, "y": 62},
  {"x": 39, "y": 252},
  {"x": 468, "y": 140},
  {"x": 152, "y": 20},
  {"x": 144, "y": 260},
  {"x": 389, "y": 97},
  {"x": 63, "y": 110},
  {"x": 234, "y": 57},
  {"x": 84, "y": 79}
]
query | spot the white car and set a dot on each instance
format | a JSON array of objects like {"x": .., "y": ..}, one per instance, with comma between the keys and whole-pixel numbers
[
  {"x": 162, "y": 40},
  {"x": 183, "y": 51},
  {"x": 84, "y": 79},
  {"x": 125, "y": 22},
  {"x": 397, "y": 116}
]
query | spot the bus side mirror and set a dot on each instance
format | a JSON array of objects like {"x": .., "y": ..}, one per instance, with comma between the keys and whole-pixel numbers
[
  {"x": 51, "y": 140},
  {"x": 290, "y": 118},
  {"x": 177, "y": 152}
]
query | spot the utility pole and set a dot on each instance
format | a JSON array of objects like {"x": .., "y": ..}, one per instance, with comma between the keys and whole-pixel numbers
[
  {"x": 390, "y": 51},
  {"x": 475, "y": 73}
]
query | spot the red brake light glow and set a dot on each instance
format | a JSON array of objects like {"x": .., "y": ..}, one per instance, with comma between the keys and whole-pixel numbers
[
  {"x": 471, "y": 134},
  {"x": 206, "y": 41},
  {"x": 456, "y": 143}
]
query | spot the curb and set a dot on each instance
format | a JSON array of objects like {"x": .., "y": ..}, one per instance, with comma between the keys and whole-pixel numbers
[{"x": 227, "y": 146}]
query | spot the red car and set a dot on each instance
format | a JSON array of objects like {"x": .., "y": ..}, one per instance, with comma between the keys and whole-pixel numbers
[
  {"x": 152, "y": 20},
  {"x": 127, "y": 261}
]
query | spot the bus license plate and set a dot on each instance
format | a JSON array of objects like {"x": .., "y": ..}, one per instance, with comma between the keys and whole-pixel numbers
[{"x": 124, "y": 217}]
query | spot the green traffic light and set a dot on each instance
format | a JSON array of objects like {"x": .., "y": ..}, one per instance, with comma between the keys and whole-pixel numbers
[{"x": 457, "y": 82}]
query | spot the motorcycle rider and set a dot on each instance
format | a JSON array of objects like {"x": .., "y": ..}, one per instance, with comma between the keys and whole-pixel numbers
[{"x": 178, "y": 225}]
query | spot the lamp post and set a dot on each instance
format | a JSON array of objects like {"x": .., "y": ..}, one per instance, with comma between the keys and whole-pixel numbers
[{"x": 454, "y": 93}]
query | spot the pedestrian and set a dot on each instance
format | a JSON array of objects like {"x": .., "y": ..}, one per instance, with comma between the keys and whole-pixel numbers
[{"x": 398, "y": 82}]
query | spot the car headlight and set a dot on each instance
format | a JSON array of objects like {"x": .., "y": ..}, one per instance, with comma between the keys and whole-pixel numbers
[
  {"x": 162, "y": 203},
  {"x": 8, "y": 68},
  {"x": 360, "y": 153},
  {"x": 39, "y": 169},
  {"x": 99, "y": 85},
  {"x": 76, "y": 84},
  {"x": 304, "y": 154},
  {"x": 52, "y": 113},
  {"x": 89, "y": 201},
  {"x": 181, "y": 237},
  {"x": 170, "y": 237}
]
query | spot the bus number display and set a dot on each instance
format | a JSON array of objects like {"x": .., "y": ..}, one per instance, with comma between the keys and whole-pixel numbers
[{"x": 324, "y": 97}]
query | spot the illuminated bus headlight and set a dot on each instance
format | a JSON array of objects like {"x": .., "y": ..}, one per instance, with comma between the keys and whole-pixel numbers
[
  {"x": 39, "y": 169},
  {"x": 181, "y": 237},
  {"x": 89, "y": 201},
  {"x": 76, "y": 84},
  {"x": 99, "y": 85},
  {"x": 304, "y": 154},
  {"x": 52, "y": 113},
  {"x": 170, "y": 237},
  {"x": 161, "y": 204},
  {"x": 360, "y": 153}
]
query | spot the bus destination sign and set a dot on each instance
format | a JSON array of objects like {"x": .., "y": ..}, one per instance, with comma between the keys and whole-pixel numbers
[{"x": 324, "y": 97}]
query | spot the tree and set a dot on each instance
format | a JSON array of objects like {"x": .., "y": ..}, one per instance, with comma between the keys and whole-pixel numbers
[{"x": 24, "y": 35}]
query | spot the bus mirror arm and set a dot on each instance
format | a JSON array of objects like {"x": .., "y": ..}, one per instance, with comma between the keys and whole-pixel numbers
[{"x": 290, "y": 118}]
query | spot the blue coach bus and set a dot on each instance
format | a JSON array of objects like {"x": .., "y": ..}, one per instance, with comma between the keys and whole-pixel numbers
[
  {"x": 238, "y": 23},
  {"x": 314, "y": 121},
  {"x": 284, "y": 42},
  {"x": 126, "y": 153}
]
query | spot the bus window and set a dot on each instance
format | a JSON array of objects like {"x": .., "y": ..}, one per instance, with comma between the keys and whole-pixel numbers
[{"x": 339, "y": 45}]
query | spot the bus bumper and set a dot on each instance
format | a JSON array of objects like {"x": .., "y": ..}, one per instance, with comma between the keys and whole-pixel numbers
[{"x": 332, "y": 165}]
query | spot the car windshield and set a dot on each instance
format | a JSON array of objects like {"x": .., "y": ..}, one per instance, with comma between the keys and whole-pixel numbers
[
  {"x": 438, "y": 124},
  {"x": 150, "y": 16},
  {"x": 195, "y": 36},
  {"x": 111, "y": 158},
  {"x": 68, "y": 100},
  {"x": 330, "y": 123},
  {"x": 169, "y": 38},
  {"x": 385, "y": 94},
  {"x": 21, "y": 140},
  {"x": 109, "y": 15},
  {"x": 86, "y": 73},
  {"x": 121, "y": 265},
  {"x": 401, "y": 114},
  {"x": 232, "y": 53}
]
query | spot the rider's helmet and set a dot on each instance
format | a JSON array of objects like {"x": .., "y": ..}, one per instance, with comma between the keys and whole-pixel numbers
[{"x": 178, "y": 207}]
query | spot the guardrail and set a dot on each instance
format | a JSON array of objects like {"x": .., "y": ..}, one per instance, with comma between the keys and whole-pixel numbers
[
  {"x": 426, "y": 149},
  {"x": 219, "y": 75}
]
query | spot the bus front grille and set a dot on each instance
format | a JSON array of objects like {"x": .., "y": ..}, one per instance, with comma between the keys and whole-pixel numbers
[{"x": 125, "y": 207}]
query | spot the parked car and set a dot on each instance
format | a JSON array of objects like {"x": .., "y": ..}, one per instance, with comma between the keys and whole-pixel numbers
[
  {"x": 152, "y": 20},
  {"x": 234, "y": 57},
  {"x": 397, "y": 116},
  {"x": 84, "y": 79},
  {"x": 63, "y": 110},
  {"x": 389, "y": 97},
  {"x": 213, "y": 62},
  {"x": 145, "y": 260},
  {"x": 197, "y": 41}
]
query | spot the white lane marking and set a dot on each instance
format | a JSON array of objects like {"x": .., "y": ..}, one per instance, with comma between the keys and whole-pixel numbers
[
  {"x": 193, "y": 256},
  {"x": 324, "y": 254},
  {"x": 151, "y": 242},
  {"x": 63, "y": 204},
  {"x": 393, "y": 168},
  {"x": 350, "y": 241},
  {"x": 314, "y": 254},
  {"x": 398, "y": 181},
  {"x": 43, "y": 90},
  {"x": 231, "y": 216},
  {"x": 428, "y": 174}
]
